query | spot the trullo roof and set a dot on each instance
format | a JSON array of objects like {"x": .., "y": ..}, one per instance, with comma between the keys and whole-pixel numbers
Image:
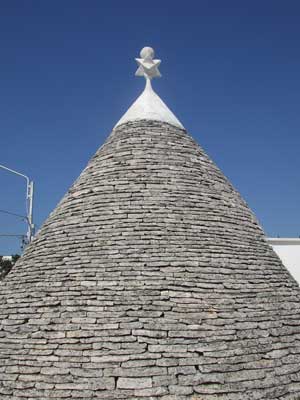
[{"x": 150, "y": 280}]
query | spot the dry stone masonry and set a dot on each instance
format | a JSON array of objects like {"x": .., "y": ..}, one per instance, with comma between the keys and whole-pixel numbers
[{"x": 150, "y": 280}]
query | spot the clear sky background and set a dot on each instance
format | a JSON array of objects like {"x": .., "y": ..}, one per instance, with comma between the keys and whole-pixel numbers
[{"x": 230, "y": 71}]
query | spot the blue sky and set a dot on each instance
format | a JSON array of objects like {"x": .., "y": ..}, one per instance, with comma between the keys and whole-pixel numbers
[{"x": 230, "y": 74}]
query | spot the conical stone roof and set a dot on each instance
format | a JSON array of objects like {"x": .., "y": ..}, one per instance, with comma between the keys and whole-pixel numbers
[{"x": 150, "y": 280}]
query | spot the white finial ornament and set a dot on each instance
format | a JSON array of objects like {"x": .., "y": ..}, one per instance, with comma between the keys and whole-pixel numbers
[
  {"x": 147, "y": 66},
  {"x": 149, "y": 106}
]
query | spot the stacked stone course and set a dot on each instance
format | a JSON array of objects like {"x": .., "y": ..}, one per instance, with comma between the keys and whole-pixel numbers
[{"x": 150, "y": 280}]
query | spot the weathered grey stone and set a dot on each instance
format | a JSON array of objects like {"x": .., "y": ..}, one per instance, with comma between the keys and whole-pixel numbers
[
  {"x": 180, "y": 390},
  {"x": 151, "y": 392},
  {"x": 151, "y": 279},
  {"x": 134, "y": 383}
]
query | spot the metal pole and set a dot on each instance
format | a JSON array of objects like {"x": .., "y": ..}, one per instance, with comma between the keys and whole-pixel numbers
[
  {"x": 30, "y": 232},
  {"x": 29, "y": 202}
]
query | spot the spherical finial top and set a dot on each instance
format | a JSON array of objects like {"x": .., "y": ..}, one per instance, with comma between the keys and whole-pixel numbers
[{"x": 147, "y": 53}]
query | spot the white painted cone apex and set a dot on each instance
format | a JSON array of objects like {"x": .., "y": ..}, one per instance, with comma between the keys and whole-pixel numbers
[{"x": 149, "y": 105}]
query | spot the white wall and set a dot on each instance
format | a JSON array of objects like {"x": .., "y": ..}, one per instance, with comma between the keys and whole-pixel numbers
[{"x": 288, "y": 250}]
